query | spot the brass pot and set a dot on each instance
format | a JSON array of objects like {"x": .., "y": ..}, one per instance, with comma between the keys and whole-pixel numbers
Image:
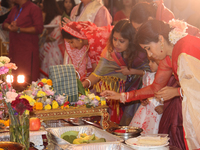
[{"x": 7, "y": 145}]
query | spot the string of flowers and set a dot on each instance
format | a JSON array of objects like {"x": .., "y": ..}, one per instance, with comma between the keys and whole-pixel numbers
[{"x": 178, "y": 31}]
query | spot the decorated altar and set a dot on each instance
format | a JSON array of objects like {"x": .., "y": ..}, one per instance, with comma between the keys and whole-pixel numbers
[{"x": 74, "y": 112}]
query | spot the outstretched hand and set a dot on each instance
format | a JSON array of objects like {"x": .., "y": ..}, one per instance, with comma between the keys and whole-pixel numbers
[
  {"x": 110, "y": 95},
  {"x": 124, "y": 70},
  {"x": 66, "y": 20}
]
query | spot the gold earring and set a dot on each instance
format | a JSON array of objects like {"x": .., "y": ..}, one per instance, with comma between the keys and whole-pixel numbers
[
  {"x": 81, "y": 41},
  {"x": 162, "y": 45}
]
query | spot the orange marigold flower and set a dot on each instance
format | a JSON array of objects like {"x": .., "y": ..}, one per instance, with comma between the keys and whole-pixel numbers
[
  {"x": 6, "y": 123},
  {"x": 38, "y": 106},
  {"x": 49, "y": 82}
]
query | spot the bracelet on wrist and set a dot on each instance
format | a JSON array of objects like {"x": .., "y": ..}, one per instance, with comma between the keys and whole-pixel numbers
[
  {"x": 123, "y": 97},
  {"x": 180, "y": 92},
  {"x": 89, "y": 83}
]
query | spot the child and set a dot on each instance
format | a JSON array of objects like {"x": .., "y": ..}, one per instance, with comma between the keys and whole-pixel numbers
[{"x": 149, "y": 113}]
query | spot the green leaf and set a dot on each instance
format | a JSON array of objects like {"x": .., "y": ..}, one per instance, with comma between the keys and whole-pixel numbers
[{"x": 80, "y": 87}]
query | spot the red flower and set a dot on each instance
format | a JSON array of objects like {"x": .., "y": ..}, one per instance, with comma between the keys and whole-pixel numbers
[
  {"x": 66, "y": 103},
  {"x": 41, "y": 84},
  {"x": 20, "y": 105}
]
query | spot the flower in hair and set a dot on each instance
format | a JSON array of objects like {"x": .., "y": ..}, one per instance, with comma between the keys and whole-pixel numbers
[{"x": 178, "y": 31}]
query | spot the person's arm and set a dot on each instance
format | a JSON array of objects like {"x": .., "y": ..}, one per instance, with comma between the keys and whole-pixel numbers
[
  {"x": 90, "y": 81},
  {"x": 162, "y": 77},
  {"x": 125, "y": 71},
  {"x": 37, "y": 18},
  {"x": 35, "y": 29}
]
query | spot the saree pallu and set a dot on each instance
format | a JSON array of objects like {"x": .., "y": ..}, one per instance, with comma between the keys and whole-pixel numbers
[{"x": 115, "y": 81}]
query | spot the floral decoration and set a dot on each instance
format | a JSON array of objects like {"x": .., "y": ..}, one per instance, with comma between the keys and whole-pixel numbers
[
  {"x": 178, "y": 31},
  {"x": 42, "y": 96}
]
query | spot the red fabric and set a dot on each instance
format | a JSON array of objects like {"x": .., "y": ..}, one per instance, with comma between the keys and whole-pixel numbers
[
  {"x": 119, "y": 16},
  {"x": 186, "y": 145},
  {"x": 119, "y": 61},
  {"x": 97, "y": 36},
  {"x": 23, "y": 47},
  {"x": 163, "y": 13}
]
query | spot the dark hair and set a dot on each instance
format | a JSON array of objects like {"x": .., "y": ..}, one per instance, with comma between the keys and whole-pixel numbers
[
  {"x": 142, "y": 11},
  {"x": 127, "y": 31},
  {"x": 150, "y": 31},
  {"x": 66, "y": 35},
  {"x": 73, "y": 4},
  {"x": 62, "y": 7},
  {"x": 5, "y": 3},
  {"x": 51, "y": 8}
]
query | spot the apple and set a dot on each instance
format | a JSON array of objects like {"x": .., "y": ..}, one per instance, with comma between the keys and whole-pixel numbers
[{"x": 34, "y": 124}]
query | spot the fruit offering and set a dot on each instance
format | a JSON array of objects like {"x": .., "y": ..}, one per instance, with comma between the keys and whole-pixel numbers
[{"x": 73, "y": 138}]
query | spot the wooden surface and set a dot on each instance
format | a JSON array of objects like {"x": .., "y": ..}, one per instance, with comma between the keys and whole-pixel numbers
[{"x": 74, "y": 112}]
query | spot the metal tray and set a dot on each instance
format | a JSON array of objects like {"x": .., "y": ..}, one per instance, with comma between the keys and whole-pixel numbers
[
  {"x": 57, "y": 132},
  {"x": 98, "y": 146}
]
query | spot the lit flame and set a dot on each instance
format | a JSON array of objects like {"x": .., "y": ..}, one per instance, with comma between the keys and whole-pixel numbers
[
  {"x": 9, "y": 78},
  {"x": 20, "y": 78}
]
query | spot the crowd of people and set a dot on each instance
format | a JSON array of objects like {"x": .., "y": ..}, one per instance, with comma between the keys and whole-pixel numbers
[{"x": 141, "y": 58}]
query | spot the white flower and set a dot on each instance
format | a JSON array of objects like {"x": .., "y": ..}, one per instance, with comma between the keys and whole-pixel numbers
[
  {"x": 34, "y": 84},
  {"x": 4, "y": 59},
  {"x": 178, "y": 32},
  {"x": 10, "y": 96},
  {"x": 46, "y": 87}
]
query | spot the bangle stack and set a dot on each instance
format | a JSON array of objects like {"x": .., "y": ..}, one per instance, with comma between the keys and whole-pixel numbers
[{"x": 89, "y": 83}]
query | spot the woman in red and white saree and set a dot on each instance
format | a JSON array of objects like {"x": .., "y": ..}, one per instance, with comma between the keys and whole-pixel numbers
[
  {"x": 179, "y": 53},
  {"x": 90, "y": 36}
]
